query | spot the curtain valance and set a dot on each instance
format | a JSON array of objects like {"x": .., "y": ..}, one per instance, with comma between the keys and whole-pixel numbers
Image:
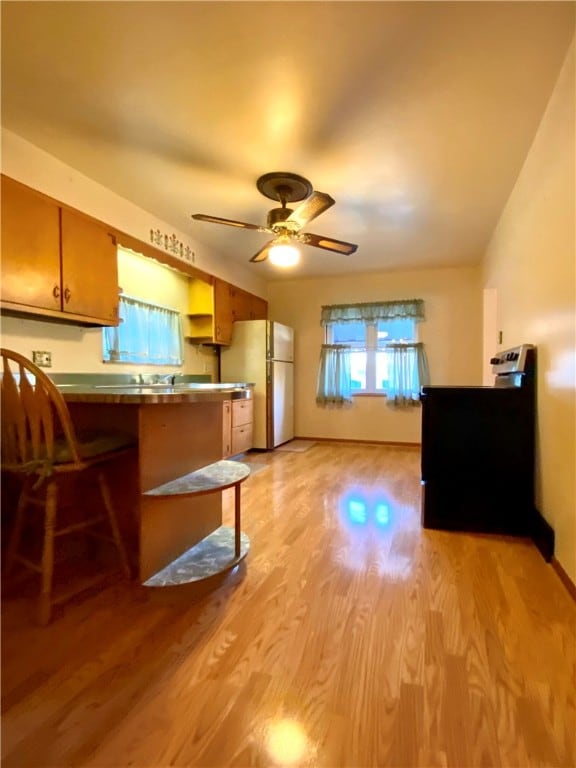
[{"x": 373, "y": 311}]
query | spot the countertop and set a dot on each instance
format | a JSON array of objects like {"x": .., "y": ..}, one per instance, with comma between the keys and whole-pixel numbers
[{"x": 150, "y": 394}]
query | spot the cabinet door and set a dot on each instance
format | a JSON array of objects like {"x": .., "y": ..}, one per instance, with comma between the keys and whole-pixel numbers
[
  {"x": 222, "y": 312},
  {"x": 30, "y": 247},
  {"x": 242, "y": 432},
  {"x": 241, "y": 412},
  {"x": 226, "y": 428},
  {"x": 242, "y": 439},
  {"x": 89, "y": 268},
  {"x": 241, "y": 309},
  {"x": 258, "y": 308}
]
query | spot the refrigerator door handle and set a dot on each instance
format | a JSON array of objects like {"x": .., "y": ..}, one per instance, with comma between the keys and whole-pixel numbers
[
  {"x": 269, "y": 407},
  {"x": 269, "y": 340}
]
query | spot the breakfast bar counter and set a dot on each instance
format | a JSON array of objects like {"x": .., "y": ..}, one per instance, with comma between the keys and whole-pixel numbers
[{"x": 178, "y": 430}]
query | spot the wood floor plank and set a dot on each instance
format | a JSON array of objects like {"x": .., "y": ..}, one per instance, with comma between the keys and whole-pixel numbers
[{"x": 348, "y": 637}]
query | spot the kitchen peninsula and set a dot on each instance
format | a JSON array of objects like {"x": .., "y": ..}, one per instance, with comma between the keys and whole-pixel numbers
[{"x": 179, "y": 429}]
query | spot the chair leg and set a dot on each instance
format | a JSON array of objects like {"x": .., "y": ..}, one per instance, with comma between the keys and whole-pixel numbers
[
  {"x": 45, "y": 604},
  {"x": 104, "y": 490},
  {"x": 16, "y": 534}
]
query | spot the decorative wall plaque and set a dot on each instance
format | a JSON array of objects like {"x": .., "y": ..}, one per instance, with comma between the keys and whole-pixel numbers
[{"x": 171, "y": 244}]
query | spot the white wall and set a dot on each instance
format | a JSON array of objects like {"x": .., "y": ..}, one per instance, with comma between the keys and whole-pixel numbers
[
  {"x": 452, "y": 333},
  {"x": 531, "y": 262}
]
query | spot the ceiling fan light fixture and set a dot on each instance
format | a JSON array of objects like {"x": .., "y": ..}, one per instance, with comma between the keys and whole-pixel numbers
[
  {"x": 284, "y": 254},
  {"x": 286, "y": 224}
]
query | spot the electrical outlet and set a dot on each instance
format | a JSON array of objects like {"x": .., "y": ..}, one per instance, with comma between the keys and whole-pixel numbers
[{"x": 42, "y": 359}]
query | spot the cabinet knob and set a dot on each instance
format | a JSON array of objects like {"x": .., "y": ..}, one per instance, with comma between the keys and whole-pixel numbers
[
  {"x": 56, "y": 292},
  {"x": 67, "y": 295}
]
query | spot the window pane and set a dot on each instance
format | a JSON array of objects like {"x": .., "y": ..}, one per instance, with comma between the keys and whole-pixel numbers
[
  {"x": 396, "y": 330},
  {"x": 358, "y": 370},
  {"x": 349, "y": 333},
  {"x": 381, "y": 370},
  {"x": 147, "y": 334}
]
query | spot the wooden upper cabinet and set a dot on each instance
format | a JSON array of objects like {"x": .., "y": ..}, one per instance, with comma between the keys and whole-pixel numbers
[
  {"x": 258, "y": 308},
  {"x": 56, "y": 261},
  {"x": 89, "y": 267},
  {"x": 222, "y": 311},
  {"x": 30, "y": 247},
  {"x": 247, "y": 306},
  {"x": 210, "y": 315},
  {"x": 241, "y": 305},
  {"x": 215, "y": 306}
]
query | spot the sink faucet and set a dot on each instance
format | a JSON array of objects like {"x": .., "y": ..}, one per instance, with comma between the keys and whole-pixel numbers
[{"x": 169, "y": 378}]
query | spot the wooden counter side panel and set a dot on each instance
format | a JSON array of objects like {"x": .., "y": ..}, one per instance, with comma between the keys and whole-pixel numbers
[
  {"x": 177, "y": 439},
  {"x": 104, "y": 417},
  {"x": 170, "y": 526}
]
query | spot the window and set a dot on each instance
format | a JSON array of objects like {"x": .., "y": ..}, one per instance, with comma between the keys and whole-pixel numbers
[
  {"x": 370, "y": 361},
  {"x": 371, "y": 348},
  {"x": 147, "y": 334}
]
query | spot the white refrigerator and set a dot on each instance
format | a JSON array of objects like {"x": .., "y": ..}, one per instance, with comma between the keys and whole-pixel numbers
[{"x": 262, "y": 353}]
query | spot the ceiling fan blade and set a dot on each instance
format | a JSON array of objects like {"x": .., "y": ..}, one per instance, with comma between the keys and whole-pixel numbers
[
  {"x": 229, "y": 222},
  {"x": 313, "y": 206},
  {"x": 262, "y": 254},
  {"x": 328, "y": 243}
]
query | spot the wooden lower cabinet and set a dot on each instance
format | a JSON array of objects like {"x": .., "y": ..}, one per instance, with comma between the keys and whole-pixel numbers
[
  {"x": 226, "y": 429},
  {"x": 237, "y": 427},
  {"x": 242, "y": 432}
]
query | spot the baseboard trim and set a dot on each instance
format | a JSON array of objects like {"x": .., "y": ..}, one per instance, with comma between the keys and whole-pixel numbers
[
  {"x": 564, "y": 578},
  {"x": 543, "y": 536},
  {"x": 358, "y": 442}
]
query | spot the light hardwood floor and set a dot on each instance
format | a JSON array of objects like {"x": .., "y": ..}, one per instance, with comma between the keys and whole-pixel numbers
[{"x": 348, "y": 637}]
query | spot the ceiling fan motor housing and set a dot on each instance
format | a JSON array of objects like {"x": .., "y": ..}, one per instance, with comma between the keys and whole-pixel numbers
[{"x": 278, "y": 216}]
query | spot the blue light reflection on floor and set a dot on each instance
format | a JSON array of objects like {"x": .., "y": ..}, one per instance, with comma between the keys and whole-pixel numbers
[
  {"x": 375, "y": 527},
  {"x": 363, "y": 510}
]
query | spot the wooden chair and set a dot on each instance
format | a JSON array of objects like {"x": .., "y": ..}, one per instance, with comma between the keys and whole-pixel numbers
[{"x": 40, "y": 444}]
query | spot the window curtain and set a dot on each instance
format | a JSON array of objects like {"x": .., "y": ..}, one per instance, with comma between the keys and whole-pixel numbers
[
  {"x": 147, "y": 334},
  {"x": 373, "y": 311},
  {"x": 408, "y": 371},
  {"x": 334, "y": 379}
]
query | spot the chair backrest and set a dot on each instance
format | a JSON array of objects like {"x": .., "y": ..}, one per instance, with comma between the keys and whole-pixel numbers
[{"x": 34, "y": 416}]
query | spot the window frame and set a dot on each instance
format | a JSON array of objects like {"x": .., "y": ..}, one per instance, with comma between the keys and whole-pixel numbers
[
  {"x": 108, "y": 346},
  {"x": 370, "y": 348}
]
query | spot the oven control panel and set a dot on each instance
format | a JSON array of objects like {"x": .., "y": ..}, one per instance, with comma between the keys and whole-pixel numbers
[{"x": 513, "y": 360}]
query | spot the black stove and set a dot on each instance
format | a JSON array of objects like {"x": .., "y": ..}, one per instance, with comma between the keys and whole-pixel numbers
[{"x": 478, "y": 450}]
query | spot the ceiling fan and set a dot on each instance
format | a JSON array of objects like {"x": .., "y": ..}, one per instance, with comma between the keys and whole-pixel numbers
[{"x": 286, "y": 223}]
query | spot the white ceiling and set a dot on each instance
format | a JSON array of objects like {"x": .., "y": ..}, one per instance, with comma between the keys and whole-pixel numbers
[{"x": 416, "y": 117}]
